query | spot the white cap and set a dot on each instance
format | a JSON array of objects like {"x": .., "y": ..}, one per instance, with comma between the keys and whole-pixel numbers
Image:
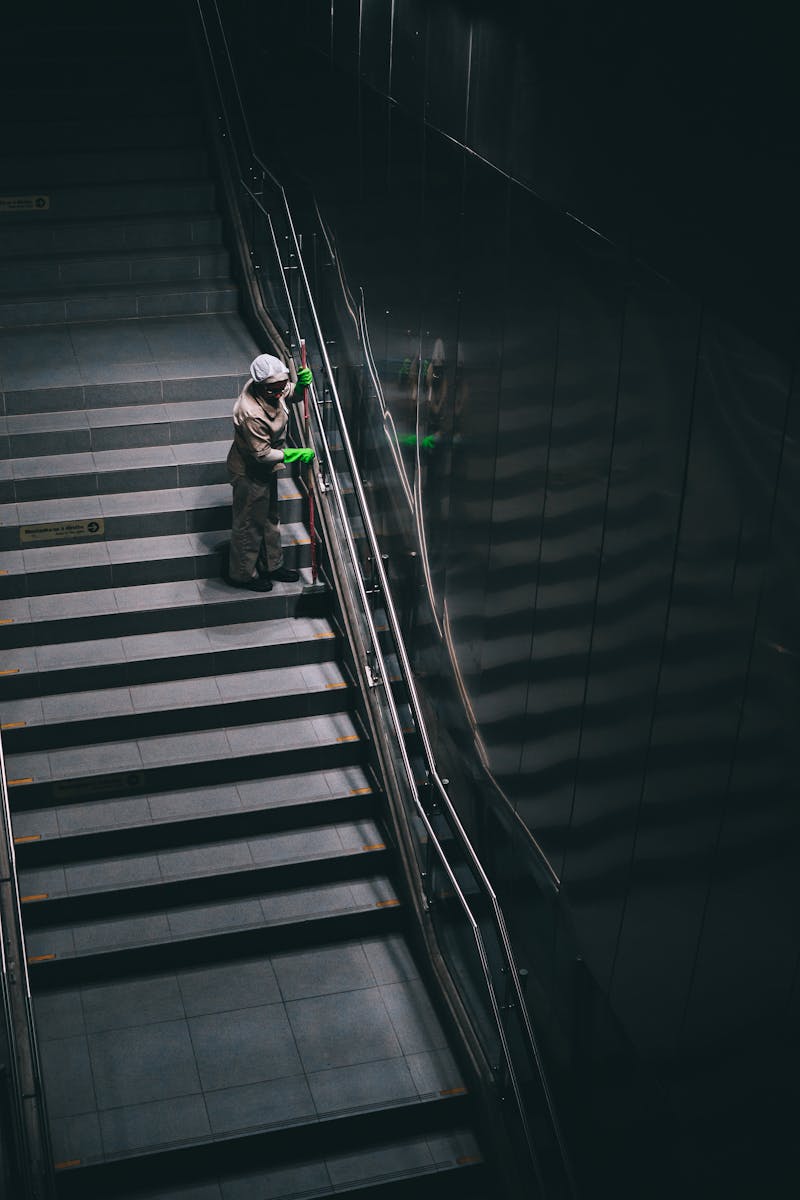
[{"x": 268, "y": 369}]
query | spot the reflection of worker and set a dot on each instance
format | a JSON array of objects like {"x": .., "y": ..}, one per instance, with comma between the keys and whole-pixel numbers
[{"x": 259, "y": 450}]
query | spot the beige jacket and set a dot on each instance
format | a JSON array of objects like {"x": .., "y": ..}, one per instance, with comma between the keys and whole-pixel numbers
[{"x": 259, "y": 434}]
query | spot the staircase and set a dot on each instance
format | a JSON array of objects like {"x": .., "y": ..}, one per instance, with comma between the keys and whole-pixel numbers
[{"x": 226, "y": 1001}]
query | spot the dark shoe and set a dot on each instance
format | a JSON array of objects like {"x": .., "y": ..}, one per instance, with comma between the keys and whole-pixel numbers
[
  {"x": 284, "y": 575},
  {"x": 256, "y": 584}
]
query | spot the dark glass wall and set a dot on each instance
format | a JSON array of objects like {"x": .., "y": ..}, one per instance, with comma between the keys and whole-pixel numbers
[{"x": 598, "y": 524}]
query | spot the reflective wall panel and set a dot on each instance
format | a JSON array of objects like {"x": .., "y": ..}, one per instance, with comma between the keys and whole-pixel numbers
[{"x": 585, "y": 473}]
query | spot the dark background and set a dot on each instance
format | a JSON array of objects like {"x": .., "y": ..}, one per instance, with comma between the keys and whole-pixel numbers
[{"x": 575, "y": 230}]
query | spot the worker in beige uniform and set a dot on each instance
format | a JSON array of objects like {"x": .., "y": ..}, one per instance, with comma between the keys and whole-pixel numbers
[{"x": 259, "y": 450}]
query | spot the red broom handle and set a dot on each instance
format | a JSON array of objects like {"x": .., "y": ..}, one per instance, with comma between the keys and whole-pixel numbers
[{"x": 310, "y": 479}]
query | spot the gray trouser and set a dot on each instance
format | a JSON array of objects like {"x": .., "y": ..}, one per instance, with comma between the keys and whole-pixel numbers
[{"x": 255, "y": 531}]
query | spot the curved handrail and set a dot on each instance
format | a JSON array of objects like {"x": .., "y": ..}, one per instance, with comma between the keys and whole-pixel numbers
[{"x": 332, "y": 486}]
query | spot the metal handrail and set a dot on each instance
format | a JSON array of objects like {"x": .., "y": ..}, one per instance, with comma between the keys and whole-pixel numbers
[
  {"x": 26, "y": 1072},
  {"x": 332, "y": 486}
]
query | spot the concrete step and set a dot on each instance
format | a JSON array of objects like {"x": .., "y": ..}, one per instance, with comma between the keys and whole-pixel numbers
[
  {"x": 95, "y": 132},
  {"x": 131, "y": 514},
  {"x": 119, "y": 199},
  {"x": 181, "y": 760},
  {"x": 118, "y": 428},
  {"x": 82, "y": 99},
  {"x": 67, "y": 832},
  {"x": 176, "y": 654},
  {"x": 71, "y": 302},
  {"x": 145, "y": 882},
  {"x": 165, "y": 706},
  {"x": 54, "y": 168},
  {"x": 129, "y": 562},
  {"x": 150, "y": 468},
  {"x": 70, "y": 617},
  {"x": 198, "y": 934},
  {"x": 52, "y": 273},
  {"x": 110, "y": 234}
]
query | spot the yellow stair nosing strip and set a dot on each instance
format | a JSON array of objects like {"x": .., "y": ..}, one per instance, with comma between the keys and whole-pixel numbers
[
  {"x": 15, "y": 782},
  {"x": 29, "y": 837}
]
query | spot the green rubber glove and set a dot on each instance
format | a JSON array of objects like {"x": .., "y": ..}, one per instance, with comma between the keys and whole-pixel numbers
[
  {"x": 410, "y": 439},
  {"x": 303, "y": 455},
  {"x": 304, "y": 377}
]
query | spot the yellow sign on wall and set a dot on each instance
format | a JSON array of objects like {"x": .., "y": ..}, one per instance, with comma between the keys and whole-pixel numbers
[
  {"x": 63, "y": 531},
  {"x": 18, "y": 204}
]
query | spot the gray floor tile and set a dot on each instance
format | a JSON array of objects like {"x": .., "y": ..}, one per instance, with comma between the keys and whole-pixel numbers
[
  {"x": 132, "y": 1003},
  {"x": 287, "y": 906},
  {"x": 280, "y": 1101},
  {"x": 150, "y": 645},
  {"x": 278, "y": 681},
  {"x": 79, "y": 654},
  {"x": 413, "y": 1018},
  {"x": 68, "y": 464},
  {"x": 76, "y": 1138},
  {"x": 280, "y": 735},
  {"x": 382, "y": 1163},
  {"x": 326, "y": 969},
  {"x": 390, "y": 959},
  {"x": 370, "y": 892},
  {"x": 205, "y": 860},
  {"x": 103, "y": 814},
  {"x": 149, "y": 549},
  {"x": 193, "y": 802},
  {"x": 240, "y": 984},
  {"x": 301, "y": 1179},
  {"x": 76, "y": 706},
  {"x": 49, "y": 881},
  {"x": 113, "y": 873},
  {"x": 208, "y": 918},
  {"x": 59, "y": 942},
  {"x": 127, "y": 931},
  {"x": 251, "y": 633},
  {"x": 193, "y": 1191},
  {"x": 434, "y": 1071},
  {"x": 184, "y": 747},
  {"x": 74, "y": 604},
  {"x": 68, "y": 1081},
  {"x": 385, "y": 1082},
  {"x": 139, "y": 1126},
  {"x": 284, "y": 789},
  {"x": 358, "y": 834},
  {"x": 179, "y": 693},
  {"x": 149, "y": 1062},
  {"x": 284, "y": 847},
  {"x": 343, "y": 1029},
  {"x": 39, "y": 822},
  {"x": 35, "y": 512},
  {"x": 59, "y": 1015},
  {"x": 161, "y": 595},
  {"x": 95, "y": 760},
  {"x": 248, "y": 1045},
  {"x": 453, "y": 1147}
]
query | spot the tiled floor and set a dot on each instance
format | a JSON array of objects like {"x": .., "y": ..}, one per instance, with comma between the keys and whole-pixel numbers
[{"x": 298, "y": 1036}]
